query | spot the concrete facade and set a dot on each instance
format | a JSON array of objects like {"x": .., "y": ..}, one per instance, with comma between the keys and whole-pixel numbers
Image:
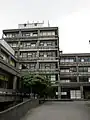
[
  {"x": 37, "y": 50},
  {"x": 8, "y": 72},
  {"x": 75, "y": 75}
]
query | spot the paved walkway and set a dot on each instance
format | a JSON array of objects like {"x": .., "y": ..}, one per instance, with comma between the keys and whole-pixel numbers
[{"x": 60, "y": 111}]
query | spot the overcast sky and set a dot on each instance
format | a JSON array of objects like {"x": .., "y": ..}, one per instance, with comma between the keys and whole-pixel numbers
[{"x": 71, "y": 16}]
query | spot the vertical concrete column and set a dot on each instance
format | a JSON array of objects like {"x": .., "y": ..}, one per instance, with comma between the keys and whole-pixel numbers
[
  {"x": 18, "y": 54},
  {"x": 19, "y": 84},
  {"x": 77, "y": 69},
  {"x": 37, "y": 44},
  {"x": 82, "y": 95},
  {"x": 77, "y": 78},
  {"x": 17, "y": 65},
  {"x": 37, "y": 65},
  {"x": 59, "y": 92},
  {"x": 59, "y": 87},
  {"x": 9, "y": 59},
  {"x": 14, "y": 82},
  {"x": 38, "y": 32}
]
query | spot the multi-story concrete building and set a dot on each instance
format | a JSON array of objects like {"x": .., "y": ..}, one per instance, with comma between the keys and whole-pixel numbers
[
  {"x": 75, "y": 75},
  {"x": 9, "y": 74},
  {"x": 37, "y": 49}
]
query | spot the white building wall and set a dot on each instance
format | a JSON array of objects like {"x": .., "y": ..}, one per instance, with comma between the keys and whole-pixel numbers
[{"x": 5, "y": 44}]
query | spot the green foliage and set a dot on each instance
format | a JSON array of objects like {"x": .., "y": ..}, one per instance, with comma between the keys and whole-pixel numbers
[{"x": 39, "y": 83}]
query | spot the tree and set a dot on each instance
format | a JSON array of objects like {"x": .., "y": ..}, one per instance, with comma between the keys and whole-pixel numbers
[{"x": 36, "y": 83}]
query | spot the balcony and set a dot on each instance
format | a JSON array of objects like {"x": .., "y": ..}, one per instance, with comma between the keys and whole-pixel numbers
[
  {"x": 19, "y": 36},
  {"x": 4, "y": 91},
  {"x": 49, "y": 70},
  {"x": 53, "y": 37},
  {"x": 74, "y": 84},
  {"x": 48, "y": 59},
  {"x": 30, "y": 47},
  {"x": 8, "y": 67},
  {"x": 28, "y": 70},
  {"x": 27, "y": 58},
  {"x": 68, "y": 63},
  {"x": 84, "y": 73},
  {"x": 47, "y": 47},
  {"x": 68, "y": 74},
  {"x": 83, "y": 63}
]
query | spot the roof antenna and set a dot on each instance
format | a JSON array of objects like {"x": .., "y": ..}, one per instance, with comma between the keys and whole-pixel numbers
[{"x": 48, "y": 24}]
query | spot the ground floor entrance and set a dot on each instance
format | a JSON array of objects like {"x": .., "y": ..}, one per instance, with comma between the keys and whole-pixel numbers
[
  {"x": 71, "y": 93},
  {"x": 80, "y": 92}
]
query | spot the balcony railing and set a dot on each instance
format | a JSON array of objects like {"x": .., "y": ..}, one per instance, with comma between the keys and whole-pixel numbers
[
  {"x": 47, "y": 58},
  {"x": 75, "y": 84},
  {"x": 28, "y": 58},
  {"x": 6, "y": 91},
  {"x": 47, "y": 47},
  {"x": 40, "y": 70},
  {"x": 68, "y": 73},
  {"x": 51, "y": 70},
  {"x": 83, "y": 63},
  {"x": 83, "y": 73},
  {"x": 19, "y": 36},
  {"x": 68, "y": 63},
  {"x": 30, "y": 47},
  {"x": 28, "y": 70},
  {"x": 48, "y": 37}
]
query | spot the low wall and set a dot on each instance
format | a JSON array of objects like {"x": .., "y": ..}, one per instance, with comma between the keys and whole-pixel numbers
[{"x": 18, "y": 111}]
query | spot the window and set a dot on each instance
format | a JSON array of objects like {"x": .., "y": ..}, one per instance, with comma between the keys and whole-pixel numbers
[
  {"x": 82, "y": 59},
  {"x": 47, "y": 66},
  {"x": 35, "y": 34},
  {"x": 88, "y": 79},
  {"x": 12, "y": 63},
  {"x": 66, "y": 60},
  {"x": 44, "y": 33},
  {"x": 32, "y": 45},
  {"x": 62, "y": 60},
  {"x": 53, "y": 33},
  {"x": 24, "y": 54},
  {"x": 83, "y": 69},
  {"x": 32, "y": 66},
  {"x": 14, "y": 45},
  {"x": 28, "y": 44},
  {"x": 63, "y": 93},
  {"x": 20, "y": 66},
  {"x": 88, "y": 69},
  {"x": 41, "y": 44},
  {"x": 53, "y": 77},
  {"x": 45, "y": 55},
  {"x": 53, "y": 66},
  {"x": 4, "y": 57},
  {"x": 64, "y": 70},
  {"x": 41, "y": 54},
  {"x": 71, "y": 60},
  {"x": 45, "y": 44}
]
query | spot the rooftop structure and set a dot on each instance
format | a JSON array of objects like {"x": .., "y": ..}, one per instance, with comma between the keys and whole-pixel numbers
[{"x": 31, "y": 25}]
